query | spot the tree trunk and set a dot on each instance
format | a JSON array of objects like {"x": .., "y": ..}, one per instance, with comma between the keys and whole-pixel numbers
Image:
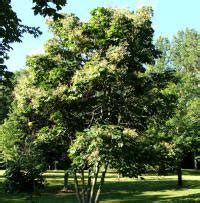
[
  {"x": 195, "y": 164},
  {"x": 55, "y": 166},
  {"x": 83, "y": 186},
  {"x": 66, "y": 177},
  {"x": 119, "y": 176},
  {"x": 76, "y": 187},
  {"x": 94, "y": 183},
  {"x": 89, "y": 185},
  {"x": 101, "y": 184},
  {"x": 195, "y": 161},
  {"x": 179, "y": 173}
]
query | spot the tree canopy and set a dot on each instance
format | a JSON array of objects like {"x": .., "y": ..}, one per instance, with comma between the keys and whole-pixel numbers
[{"x": 91, "y": 74}]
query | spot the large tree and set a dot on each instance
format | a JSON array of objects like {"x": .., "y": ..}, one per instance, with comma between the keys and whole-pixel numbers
[{"x": 92, "y": 74}]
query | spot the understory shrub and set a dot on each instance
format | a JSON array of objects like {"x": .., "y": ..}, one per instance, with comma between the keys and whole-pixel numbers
[{"x": 22, "y": 175}]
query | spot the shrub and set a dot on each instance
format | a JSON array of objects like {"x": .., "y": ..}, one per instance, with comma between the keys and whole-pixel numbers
[{"x": 22, "y": 175}]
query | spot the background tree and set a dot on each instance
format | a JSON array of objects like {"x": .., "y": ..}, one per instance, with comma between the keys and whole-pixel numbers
[
  {"x": 185, "y": 58},
  {"x": 6, "y": 88},
  {"x": 185, "y": 51},
  {"x": 179, "y": 134},
  {"x": 12, "y": 30}
]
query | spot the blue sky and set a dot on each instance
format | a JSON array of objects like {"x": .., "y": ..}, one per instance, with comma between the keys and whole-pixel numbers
[{"x": 170, "y": 16}]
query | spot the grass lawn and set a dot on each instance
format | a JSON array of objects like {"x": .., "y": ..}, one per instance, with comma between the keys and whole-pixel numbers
[{"x": 125, "y": 190}]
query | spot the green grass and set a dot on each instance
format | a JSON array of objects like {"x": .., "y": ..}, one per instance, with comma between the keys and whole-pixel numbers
[{"x": 125, "y": 190}]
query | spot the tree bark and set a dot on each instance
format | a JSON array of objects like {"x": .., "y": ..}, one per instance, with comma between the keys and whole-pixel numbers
[
  {"x": 101, "y": 184},
  {"x": 94, "y": 183},
  {"x": 179, "y": 173},
  {"x": 89, "y": 185},
  {"x": 55, "y": 166},
  {"x": 66, "y": 176},
  {"x": 119, "y": 176},
  {"x": 76, "y": 187},
  {"x": 83, "y": 186},
  {"x": 195, "y": 161}
]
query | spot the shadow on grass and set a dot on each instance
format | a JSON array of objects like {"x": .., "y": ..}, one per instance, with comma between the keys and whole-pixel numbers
[
  {"x": 51, "y": 194},
  {"x": 160, "y": 190},
  {"x": 58, "y": 198},
  {"x": 149, "y": 191}
]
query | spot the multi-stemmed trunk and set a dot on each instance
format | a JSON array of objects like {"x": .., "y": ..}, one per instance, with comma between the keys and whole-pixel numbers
[
  {"x": 90, "y": 193},
  {"x": 101, "y": 184},
  {"x": 96, "y": 173},
  {"x": 77, "y": 187}
]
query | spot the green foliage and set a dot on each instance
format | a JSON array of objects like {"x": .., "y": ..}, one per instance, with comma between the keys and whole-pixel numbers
[
  {"x": 24, "y": 174},
  {"x": 99, "y": 92},
  {"x": 164, "y": 62},
  {"x": 184, "y": 125},
  {"x": 11, "y": 134},
  {"x": 91, "y": 79},
  {"x": 6, "y": 88},
  {"x": 121, "y": 148},
  {"x": 185, "y": 50},
  {"x": 90, "y": 75},
  {"x": 105, "y": 146},
  {"x": 12, "y": 30},
  {"x": 48, "y": 8},
  {"x": 178, "y": 134}
]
